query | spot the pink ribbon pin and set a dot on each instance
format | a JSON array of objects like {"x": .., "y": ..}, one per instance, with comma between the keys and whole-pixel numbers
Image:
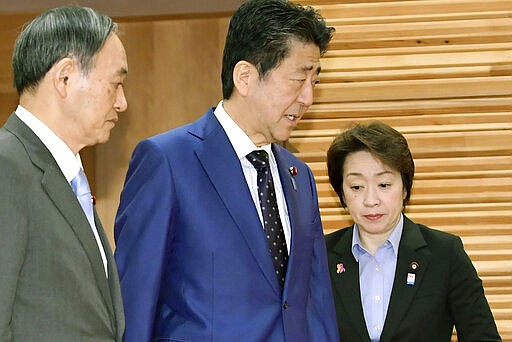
[{"x": 340, "y": 268}]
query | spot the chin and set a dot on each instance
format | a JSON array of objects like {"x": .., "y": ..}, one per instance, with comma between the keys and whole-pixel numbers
[
  {"x": 104, "y": 138},
  {"x": 282, "y": 137}
]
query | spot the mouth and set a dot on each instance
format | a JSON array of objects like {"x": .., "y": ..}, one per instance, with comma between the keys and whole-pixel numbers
[
  {"x": 292, "y": 117},
  {"x": 373, "y": 217},
  {"x": 113, "y": 120}
]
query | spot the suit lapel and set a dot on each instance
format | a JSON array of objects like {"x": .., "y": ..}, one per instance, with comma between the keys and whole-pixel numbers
[
  {"x": 345, "y": 279},
  {"x": 61, "y": 194},
  {"x": 113, "y": 281},
  {"x": 227, "y": 177},
  {"x": 298, "y": 232},
  {"x": 410, "y": 253},
  {"x": 290, "y": 193}
]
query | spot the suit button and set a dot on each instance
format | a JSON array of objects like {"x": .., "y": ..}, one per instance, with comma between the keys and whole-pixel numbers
[{"x": 285, "y": 305}]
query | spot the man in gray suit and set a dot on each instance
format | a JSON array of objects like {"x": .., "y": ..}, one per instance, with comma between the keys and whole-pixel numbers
[{"x": 58, "y": 279}]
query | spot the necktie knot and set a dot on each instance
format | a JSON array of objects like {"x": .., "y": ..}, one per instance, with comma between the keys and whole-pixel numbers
[
  {"x": 259, "y": 159},
  {"x": 80, "y": 185}
]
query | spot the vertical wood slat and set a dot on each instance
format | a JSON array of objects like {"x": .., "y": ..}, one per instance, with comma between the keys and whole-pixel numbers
[{"x": 440, "y": 72}]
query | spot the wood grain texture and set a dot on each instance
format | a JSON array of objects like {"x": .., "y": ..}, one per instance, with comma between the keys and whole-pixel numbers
[{"x": 440, "y": 72}]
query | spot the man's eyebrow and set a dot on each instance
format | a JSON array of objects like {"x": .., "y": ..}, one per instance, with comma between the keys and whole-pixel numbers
[
  {"x": 305, "y": 69},
  {"x": 309, "y": 68}
]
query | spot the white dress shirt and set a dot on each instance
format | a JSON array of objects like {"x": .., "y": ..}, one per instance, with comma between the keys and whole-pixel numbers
[
  {"x": 68, "y": 163},
  {"x": 243, "y": 145}
]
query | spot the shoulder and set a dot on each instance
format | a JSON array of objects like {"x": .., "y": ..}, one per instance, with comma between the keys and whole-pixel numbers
[
  {"x": 14, "y": 157},
  {"x": 9, "y": 144},
  {"x": 333, "y": 238},
  {"x": 181, "y": 136},
  {"x": 436, "y": 236},
  {"x": 437, "y": 241}
]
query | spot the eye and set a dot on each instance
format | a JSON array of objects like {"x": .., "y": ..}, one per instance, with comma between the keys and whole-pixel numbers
[
  {"x": 356, "y": 187},
  {"x": 117, "y": 85},
  {"x": 385, "y": 185}
]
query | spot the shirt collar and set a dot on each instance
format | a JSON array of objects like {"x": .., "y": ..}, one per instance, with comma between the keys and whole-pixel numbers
[
  {"x": 240, "y": 141},
  {"x": 393, "y": 239},
  {"x": 69, "y": 163}
]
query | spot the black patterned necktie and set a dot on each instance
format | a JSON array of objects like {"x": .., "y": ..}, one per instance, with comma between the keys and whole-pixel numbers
[{"x": 271, "y": 221}]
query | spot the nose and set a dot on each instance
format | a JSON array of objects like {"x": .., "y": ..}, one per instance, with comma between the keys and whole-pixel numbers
[
  {"x": 306, "y": 94},
  {"x": 121, "y": 104},
  {"x": 371, "y": 197}
]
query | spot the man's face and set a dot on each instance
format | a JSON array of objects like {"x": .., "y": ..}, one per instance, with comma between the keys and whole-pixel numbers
[
  {"x": 98, "y": 97},
  {"x": 278, "y": 101}
]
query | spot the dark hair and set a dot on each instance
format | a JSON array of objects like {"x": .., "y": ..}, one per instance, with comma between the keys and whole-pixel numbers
[
  {"x": 68, "y": 31},
  {"x": 260, "y": 32},
  {"x": 382, "y": 141}
]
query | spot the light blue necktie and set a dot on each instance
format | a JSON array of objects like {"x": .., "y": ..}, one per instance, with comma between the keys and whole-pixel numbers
[{"x": 83, "y": 193}]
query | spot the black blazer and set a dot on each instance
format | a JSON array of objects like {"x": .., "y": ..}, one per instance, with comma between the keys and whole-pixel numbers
[{"x": 446, "y": 292}]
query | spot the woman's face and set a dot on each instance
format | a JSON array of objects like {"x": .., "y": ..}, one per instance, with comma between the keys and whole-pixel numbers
[{"x": 373, "y": 193}]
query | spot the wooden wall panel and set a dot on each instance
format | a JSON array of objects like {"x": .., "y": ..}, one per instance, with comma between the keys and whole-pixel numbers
[
  {"x": 174, "y": 77},
  {"x": 10, "y": 26},
  {"x": 440, "y": 72}
]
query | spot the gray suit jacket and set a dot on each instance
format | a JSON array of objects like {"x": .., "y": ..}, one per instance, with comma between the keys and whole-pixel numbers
[{"x": 52, "y": 282}]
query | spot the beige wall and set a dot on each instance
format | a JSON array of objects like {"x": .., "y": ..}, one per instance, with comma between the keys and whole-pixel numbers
[
  {"x": 174, "y": 77},
  {"x": 9, "y": 28}
]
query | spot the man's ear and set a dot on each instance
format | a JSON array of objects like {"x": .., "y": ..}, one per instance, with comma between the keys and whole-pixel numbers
[
  {"x": 243, "y": 73},
  {"x": 61, "y": 73}
]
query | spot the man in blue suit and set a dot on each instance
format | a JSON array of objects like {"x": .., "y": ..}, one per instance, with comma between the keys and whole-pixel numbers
[{"x": 192, "y": 240}]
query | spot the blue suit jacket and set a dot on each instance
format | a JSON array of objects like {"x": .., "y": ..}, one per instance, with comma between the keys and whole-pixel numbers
[{"x": 193, "y": 261}]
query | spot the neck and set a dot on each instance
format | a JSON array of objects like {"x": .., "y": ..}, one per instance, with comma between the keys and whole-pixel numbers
[
  {"x": 247, "y": 121},
  {"x": 372, "y": 242},
  {"x": 48, "y": 114}
]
